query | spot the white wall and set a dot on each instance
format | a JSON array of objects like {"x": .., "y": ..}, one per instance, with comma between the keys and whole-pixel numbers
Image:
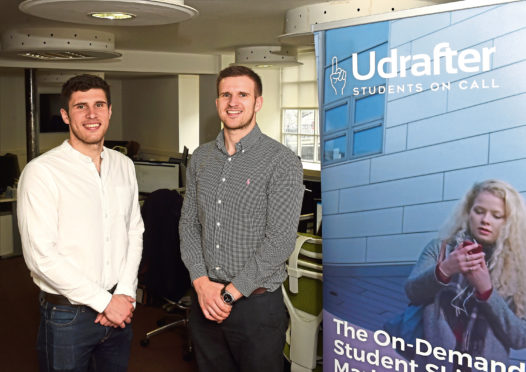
[
  {"x": 189, "y": 111},
  {"x": 269, "y": 117}
]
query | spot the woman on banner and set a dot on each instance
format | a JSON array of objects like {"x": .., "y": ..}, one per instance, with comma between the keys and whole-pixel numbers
[{"x": 475, "y": 298}]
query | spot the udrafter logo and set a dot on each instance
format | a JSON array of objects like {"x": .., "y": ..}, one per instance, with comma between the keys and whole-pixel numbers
[{"x": 468, "y": 60}]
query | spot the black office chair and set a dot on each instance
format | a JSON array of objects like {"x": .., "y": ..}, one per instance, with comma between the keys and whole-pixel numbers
[{"x": 163, "y": 272}]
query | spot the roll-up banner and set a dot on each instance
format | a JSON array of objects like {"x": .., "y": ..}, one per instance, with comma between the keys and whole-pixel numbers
[{"x": 423, "y": 143}]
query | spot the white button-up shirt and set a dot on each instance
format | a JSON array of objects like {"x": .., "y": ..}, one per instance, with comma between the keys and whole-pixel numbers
[{"x": 81, "y": 231}]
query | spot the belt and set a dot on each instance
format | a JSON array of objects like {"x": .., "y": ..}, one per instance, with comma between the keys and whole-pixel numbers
[
  {"x": 56, "y": 299},
  {"x": 259, "y": 290}
]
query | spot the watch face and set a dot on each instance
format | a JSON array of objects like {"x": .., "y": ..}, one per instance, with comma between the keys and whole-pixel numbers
[{"x": 228, "y": 298}]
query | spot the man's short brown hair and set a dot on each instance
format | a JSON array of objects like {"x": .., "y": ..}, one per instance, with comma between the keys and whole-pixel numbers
[
  {"x": 233, "y": 71},
  {"x": 83, "y": 83}
]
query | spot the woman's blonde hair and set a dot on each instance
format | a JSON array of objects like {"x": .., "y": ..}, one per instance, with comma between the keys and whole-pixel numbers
[{"x": 507, "y": 264}]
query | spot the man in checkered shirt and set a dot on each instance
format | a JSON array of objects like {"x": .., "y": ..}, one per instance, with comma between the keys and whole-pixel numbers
[{"x": 238, "y": 227}]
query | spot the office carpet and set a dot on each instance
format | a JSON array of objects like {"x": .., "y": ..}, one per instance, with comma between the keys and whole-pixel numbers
[{"x": 19, "y": 320}]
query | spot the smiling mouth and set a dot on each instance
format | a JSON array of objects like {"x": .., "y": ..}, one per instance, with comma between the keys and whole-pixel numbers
[
  {"x": 233, "y": 112},
  {"x": 92, "y": 126}
]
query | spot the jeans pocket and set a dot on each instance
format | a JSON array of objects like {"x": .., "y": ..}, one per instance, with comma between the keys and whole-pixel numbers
[{"x": 62, "y": 316}]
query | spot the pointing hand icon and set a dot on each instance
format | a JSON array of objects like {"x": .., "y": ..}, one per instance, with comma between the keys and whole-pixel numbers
[{"x": 338, "y": 77}]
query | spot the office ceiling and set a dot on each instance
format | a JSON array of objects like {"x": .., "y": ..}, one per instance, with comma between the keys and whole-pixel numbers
[{"x": 220, "y": 27}]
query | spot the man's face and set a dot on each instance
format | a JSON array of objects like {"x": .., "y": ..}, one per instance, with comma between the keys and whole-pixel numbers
[
  {"x": 237, "y": 103},
  {"x": 88, "y": 117}
]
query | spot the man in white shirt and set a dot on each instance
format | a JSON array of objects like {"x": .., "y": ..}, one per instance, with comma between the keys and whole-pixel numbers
[{"x": 81, "y": 229}]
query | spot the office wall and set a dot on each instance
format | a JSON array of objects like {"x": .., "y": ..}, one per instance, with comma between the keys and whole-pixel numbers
[
  {"x": 12, "y": 113},
  {"x": 269, "y": 117},
  {"x": 189, "y": 111},
  {"x": 13, "y": 116},
  {"x": 150, "y": 114},
  {"x": 144, "y": 109},
  {"x": 117, "y": 107},
  {"x": 209, "y": 123}
]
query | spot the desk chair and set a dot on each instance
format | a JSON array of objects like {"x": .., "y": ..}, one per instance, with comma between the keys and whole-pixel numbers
[
  {"x": 302, "y": 293},
  {"x": 162, "y": 272}
]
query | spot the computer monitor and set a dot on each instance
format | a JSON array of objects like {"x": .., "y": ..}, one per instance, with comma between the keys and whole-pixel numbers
[
  {"x": 9, "y": 171},
  {"x": 153, "y": 175}
]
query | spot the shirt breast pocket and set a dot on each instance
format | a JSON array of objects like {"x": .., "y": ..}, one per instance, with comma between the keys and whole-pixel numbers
[{"x": 121, "y": 201}]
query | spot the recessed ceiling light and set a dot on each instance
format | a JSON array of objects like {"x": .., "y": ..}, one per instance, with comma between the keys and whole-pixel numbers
[
  {"x": 145, "y": 12},
  {"x": 58, "y": 44},
  {"x": 113, "y": 15}
]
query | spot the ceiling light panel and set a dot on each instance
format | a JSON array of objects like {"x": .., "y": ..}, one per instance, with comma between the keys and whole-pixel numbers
[
  {"x": 143, "y": 12},
  {"x": 58, "y": 44}
]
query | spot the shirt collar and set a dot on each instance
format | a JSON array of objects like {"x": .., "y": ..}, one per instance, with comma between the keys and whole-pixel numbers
[
  {"x": 80, "y": 156},
  {"x": 244, "y": 144}
]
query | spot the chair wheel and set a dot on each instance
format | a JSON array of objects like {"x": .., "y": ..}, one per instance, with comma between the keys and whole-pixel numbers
[{"x": 145, "y": 342}]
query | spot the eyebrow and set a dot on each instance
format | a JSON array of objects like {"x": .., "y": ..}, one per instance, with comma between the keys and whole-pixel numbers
[
  {"x": 229, "y": 92},
  {"x": 86, "y": 103}
]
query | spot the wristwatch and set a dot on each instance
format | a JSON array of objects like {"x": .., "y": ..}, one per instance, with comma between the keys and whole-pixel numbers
[{"x": 228, "y": 298}]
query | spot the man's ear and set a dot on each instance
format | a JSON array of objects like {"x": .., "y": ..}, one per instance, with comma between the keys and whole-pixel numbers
[
  {"x": 259, "y": 103},
  {"x": 65, "y": 116},
  {"x": 109, "y": 109}
]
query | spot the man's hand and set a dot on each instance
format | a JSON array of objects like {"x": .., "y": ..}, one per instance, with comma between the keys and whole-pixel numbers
[
  {"x": 102, "y": 320},
  {"x": 119, "y": 311},
  {"x": 210, "y": 301}
]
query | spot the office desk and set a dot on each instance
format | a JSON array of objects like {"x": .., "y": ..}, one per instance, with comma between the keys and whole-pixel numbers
[{"x": 10, "y": 244}]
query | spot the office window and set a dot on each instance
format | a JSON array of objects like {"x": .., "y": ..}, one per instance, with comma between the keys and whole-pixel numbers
[
  {"x": 301, "y": 133},
  {"x": 299, "y": 115}
]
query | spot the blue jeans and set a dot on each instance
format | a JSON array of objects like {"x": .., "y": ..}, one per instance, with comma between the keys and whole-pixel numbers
[{"x": 69, "y": 340}]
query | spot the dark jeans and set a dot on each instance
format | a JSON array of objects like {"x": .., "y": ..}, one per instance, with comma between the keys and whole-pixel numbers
[
  {"x": 69, "y": 340},
  {"x": 251, "y": 339}
]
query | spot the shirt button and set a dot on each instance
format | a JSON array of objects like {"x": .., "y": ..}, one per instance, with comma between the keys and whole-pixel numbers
[
  {"x": 223, "y": 179},
  {"x": 218, "y": 268},
  {"x": 229, "y": 159},
  {"x": 218, "y": 224},
  {"x": 217, "y": 246},
  {"x": 243, "y": 151},
  {"x": 219, "y": 202}
]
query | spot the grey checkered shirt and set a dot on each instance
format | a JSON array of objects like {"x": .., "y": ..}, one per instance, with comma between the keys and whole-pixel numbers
[{"x": 240, "y": 213}]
